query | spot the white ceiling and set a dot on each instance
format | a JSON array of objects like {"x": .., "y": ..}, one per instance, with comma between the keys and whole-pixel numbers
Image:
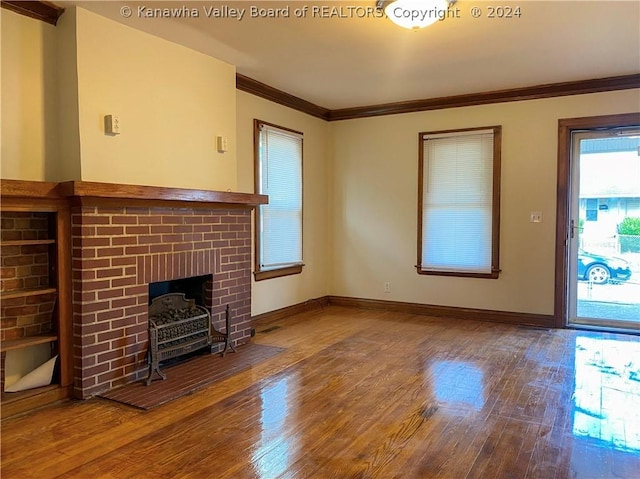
[{"x": 346, "y": 62}]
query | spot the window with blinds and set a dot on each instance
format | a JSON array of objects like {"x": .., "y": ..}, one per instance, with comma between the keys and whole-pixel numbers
[
  {"x": 459, "y": 195},
  {"x": 279, "y": 223}
]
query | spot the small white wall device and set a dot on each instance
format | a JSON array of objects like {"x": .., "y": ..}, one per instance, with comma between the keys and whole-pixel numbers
[
  {"x": 222, "y": 144},
  {"x": 112, "y": 125}
]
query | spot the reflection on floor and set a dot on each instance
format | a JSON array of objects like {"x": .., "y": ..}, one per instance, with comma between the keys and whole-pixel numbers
[
  {"x": 607, "y": 392},
  {"x": 448, "y": 387},
  {"x": 275, "y": 450},
  {"x": 368, "y": 394}
]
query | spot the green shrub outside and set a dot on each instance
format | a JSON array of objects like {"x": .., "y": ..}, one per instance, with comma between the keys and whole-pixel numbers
[
  {"x": 629, "y": 226},
  {"x": 629, "y": 231}
]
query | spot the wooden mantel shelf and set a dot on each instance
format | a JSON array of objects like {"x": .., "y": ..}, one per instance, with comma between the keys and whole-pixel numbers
[
  {"x": 138, "y": 192},
  {"x": 89, "y": 189},
  {"x": 30, "y": 189}
]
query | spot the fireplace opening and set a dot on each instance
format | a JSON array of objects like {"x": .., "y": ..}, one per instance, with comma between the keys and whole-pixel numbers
[
  {"x": 194, "y": 287},
  {"x": 180, "y": 322}
]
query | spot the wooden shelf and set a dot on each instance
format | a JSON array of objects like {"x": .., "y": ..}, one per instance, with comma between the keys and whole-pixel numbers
[
  {"x": 128, "y": 192},
  {"x": 21, "y": 293},
  {"x": 43, "y": 204},
  {"x": 8, "y": 398},
  {"x": 21, "y": 343},
  {"x": 24, "y": 401},
  {"x": 29, "y": 189},
  {"x": 27, "y": 242}
]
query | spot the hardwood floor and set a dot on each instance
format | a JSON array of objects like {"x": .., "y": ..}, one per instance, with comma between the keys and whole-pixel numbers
[{"x": 367, "y": 394}]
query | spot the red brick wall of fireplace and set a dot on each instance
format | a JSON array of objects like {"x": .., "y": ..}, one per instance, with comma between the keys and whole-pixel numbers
[{"x": 118, "y": 251}]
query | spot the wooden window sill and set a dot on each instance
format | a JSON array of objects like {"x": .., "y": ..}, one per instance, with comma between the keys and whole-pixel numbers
[{"x": 277, "y": 273}]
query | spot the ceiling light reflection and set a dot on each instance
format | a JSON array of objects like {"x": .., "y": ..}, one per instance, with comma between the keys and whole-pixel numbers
[{"x": 457, "y": 384}]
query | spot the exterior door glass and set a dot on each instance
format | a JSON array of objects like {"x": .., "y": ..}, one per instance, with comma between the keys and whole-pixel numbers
[{"x": 604, "y": 252}]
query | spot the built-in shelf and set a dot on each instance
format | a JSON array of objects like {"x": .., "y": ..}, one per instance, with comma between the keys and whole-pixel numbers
[
  {"x": 21, "y": 293},
  {"x": 23, "y": 401},
  {"x": 8, "y": 398},
  {"x": 38, "y": 224},
  {"x": 21, "y": 343},
  {"x": 27, "y": 242}
]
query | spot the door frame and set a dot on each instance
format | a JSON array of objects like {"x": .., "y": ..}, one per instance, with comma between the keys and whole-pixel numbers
[{"x": 566, "y": 127}]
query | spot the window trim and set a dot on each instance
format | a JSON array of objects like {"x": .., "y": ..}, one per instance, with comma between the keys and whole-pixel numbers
[
  {"x": 262, "y": 274},
  {"x": 495, "y": 198}
]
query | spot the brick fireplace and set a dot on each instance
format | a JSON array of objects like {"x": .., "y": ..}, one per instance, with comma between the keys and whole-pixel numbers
[
  {"x": 81, "y": 260},
  {"x": 117, "y": 251}
]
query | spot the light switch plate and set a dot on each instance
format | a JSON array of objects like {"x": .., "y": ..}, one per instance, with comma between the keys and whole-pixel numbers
[{"x": 222, "y": 144}]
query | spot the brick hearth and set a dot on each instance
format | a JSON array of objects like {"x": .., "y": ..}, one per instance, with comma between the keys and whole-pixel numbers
[{"x": 118, "y": 251}]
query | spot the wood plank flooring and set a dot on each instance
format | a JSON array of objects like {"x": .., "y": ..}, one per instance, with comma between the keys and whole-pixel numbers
[
  {"x": 365, "y": 395},
  {"x": 191, "y": 374}
]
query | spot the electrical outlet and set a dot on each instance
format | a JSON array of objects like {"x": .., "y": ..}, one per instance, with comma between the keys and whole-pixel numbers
[
  {"x": 387, "y": 287},
  {"x": 536, "y": 217},
  {"x": 112, "y": 125}
]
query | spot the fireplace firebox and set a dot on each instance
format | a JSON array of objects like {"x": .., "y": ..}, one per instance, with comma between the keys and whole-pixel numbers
[{"x": 178, "y": 326}]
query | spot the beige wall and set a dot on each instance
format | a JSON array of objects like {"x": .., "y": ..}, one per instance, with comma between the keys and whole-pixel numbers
[
  {"x": 58, "y": 83},
  {"x": 69, "y": 166},
  {"x": 360, "y": 190},
  {"x": 29, "y": 98},
  {"x": 276, "y": 293},
  {"x": 374, "y": 203},
  {"x": 172, "y": 103}
]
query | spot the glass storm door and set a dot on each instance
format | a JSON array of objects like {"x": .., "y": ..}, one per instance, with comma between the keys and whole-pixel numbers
[{"x": 604, "y": 249}]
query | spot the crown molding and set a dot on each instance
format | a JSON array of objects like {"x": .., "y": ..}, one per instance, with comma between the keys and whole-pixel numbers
[
  {"x": 267, "y": 92},
  {"x": 549, "y": 90},
  {"x": 50, "y": 13},
  {"x": 43, "y": 11}
]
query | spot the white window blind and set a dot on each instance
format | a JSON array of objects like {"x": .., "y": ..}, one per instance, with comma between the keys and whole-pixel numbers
[
  {"x": 280, "y": 177},
  {"x": 457, "y": 196}
]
